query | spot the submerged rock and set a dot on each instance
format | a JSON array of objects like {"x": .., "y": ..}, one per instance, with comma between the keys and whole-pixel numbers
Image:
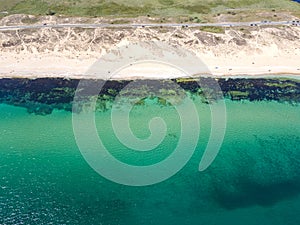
[{"x": 41, "y": 96}]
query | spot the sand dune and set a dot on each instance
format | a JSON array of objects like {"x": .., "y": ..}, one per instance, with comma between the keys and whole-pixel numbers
[{"x": 70, "y": 52}]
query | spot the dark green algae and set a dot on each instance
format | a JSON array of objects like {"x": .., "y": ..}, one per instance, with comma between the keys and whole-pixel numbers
[{"x": 41, "y": 96}]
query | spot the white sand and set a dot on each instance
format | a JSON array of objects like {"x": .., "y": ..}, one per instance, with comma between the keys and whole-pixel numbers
[
  {"x": 34, "y": 65},
  {"x": 267, "y": 52}
]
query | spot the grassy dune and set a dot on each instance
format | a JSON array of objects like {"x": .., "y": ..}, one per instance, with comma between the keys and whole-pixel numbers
[{"x": 158, "y": 8}]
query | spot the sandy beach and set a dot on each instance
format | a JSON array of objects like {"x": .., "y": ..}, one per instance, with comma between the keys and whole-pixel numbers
[
  {"x": 70, "y": 53},
  {"x": 38, "y": 66}
]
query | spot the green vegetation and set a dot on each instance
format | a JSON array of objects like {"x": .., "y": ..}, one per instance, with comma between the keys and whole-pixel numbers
[
  {"x": 238, "y": 94},
  {"x": 7, "y": 4},
  {"x": 120, "y": 21},
  {"x": 153, "y": 8},
  {"x": 218, "y": 30},
  {"x": 185, "y": 80},
  {"x": 29, "y": 20},
  {"x": 282, "y": 85}
]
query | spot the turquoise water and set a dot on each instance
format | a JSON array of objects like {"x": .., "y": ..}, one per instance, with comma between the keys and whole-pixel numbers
[{"x": 255, "y": 179}]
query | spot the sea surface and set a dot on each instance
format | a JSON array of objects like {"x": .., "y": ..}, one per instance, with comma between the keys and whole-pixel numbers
[{"x": 255, "y": 178}]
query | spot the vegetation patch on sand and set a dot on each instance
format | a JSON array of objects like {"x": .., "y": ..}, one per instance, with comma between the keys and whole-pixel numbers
[{"x": 210, "y": 29}]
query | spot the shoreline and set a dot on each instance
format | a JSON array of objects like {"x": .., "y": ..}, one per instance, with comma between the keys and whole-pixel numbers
[{"x": 237, "y": 76}]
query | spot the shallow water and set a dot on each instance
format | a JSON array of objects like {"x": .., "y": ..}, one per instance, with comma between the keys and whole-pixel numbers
[{"x": 255, "y": 179}]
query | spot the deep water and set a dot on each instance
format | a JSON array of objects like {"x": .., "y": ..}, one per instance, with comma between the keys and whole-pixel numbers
[{"x": 255, "y": 179}]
